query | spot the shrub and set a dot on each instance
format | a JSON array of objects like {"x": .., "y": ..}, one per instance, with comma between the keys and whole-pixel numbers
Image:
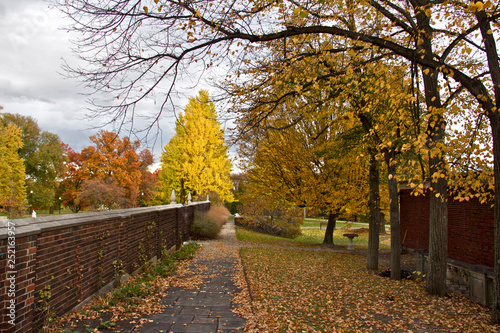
[
  {"x": 274, "y": 218},
  {"x": 234, "y": 207},
  {"x": 220, "y": 214},
  {"x": 204, "y": 226}
]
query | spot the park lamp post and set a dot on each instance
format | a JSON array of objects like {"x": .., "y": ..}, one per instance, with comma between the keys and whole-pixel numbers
[
  {"x": 31, "y": 202},
  {"x": 59, "y": 205}
]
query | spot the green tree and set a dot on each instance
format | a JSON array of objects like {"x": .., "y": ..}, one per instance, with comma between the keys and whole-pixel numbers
[
  {"x": 12, "y": 185},
  {"x": 44, "y": 159},
  {"x": 197, "y": 155}
]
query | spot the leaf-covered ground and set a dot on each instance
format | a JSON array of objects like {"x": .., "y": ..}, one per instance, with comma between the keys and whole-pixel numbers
[{"x": 297, "y": 290}]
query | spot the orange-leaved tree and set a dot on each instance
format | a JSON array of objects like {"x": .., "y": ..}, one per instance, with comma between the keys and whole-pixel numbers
[{"x": 112, "y": 163}]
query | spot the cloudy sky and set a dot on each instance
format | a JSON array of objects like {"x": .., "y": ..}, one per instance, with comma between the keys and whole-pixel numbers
[{"x": 33, "y": 47}]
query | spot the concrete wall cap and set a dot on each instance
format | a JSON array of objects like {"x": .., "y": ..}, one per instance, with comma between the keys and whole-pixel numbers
[{"x": 33, "y": 226}]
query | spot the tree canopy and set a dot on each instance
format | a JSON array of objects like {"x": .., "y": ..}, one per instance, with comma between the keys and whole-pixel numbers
[
  {"x": 44, "y": 159},
  {"x": 196, "y": 158},
  {"x": 112, "y": 173},
  {"x": 12, "y": 185}
]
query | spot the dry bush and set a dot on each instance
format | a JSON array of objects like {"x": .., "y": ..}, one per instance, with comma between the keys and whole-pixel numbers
[
  {"x": 220, "y": 214},
  {"x": 204, "y": 226}
]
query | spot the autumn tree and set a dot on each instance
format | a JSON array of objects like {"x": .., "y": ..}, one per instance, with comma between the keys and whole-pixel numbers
[
  {"x": 43, "y": 157},
  {"x": 12, "y": 185},
  {"x": 113, "y": 160},
  {"x": 379, "y": 96},
  {"x": 101, "y": 194},
  {"x": 196, "y": 158},
  {"x": 72, "y": 180},
  {"x": 113, "y": 163},
  {"x": 451, "y": 46},
  {"x": 149, "y": 179}
]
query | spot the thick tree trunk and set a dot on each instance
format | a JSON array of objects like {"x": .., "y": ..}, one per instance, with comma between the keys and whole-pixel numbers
[
  {"x": 394, "y": 211},
  {"x": 438, "y": 238},
  {"x": 436, "y": 125},
  {"x": 495, "y": 128},
  {"x": 438, "y": 191},
  {"x": 494, "y": 116},
  {"x": 374, "y": 226},
  {"x": 330, "y": 228},
  {"x": 382, "y": 223}
]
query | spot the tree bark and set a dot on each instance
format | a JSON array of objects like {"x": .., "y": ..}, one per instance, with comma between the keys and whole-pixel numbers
[
  {"x": 382, "y": 224},
  {"x": 438, "y": 236},
  {"x": 374, "y": 226},
  {"x": 438, "y": 192},
  {"x": 494, "y": 117},
  {"x": 330, "y": 228},
  {"x": 438, "y": 207},
  {"x": 495, "y": 127},
  {"x": 394, "y": 211}
]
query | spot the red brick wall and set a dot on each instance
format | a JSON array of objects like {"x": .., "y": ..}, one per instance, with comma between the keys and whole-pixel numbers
[
  {"x": 25, "y": 279},
  {"x": 470, "y": 228},
  {"x": 74, "y": 254}
]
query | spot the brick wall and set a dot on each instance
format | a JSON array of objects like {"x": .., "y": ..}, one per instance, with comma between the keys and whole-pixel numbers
[
  {"x": 73, "y": 256},
  {"x": 470, "y": 228}
]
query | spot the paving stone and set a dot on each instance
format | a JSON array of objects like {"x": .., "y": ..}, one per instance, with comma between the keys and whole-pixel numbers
[
  {"x": 154, "y": 327},
  {"x": 204, "y": 320},
  {"x": 171, "y": 310},
  {"x": 221, "y": 309},
  {"x": 230, "y": 330},
  {"x": 202, "y": 311},
  {"x": 234, "y": 323},
  {"x": 193, "y": 328}
]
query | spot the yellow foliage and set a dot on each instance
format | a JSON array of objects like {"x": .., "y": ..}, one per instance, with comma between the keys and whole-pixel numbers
[{"x": 196, "y": 154}]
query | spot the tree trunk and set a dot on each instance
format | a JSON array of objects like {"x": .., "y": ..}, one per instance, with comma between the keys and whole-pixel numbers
[
  {"x": 374, "y": 226},
  {"x": 436, "y": 125},
  {"x": 382, "y": 224},
  {"x": 494, "y": 117},
  {"x": 495, "y": 128},
  {"x": 330, "y": 228},
  {"x": 438, "y": 191},
  {"x": 394, "y": 211},
  {"x": 438, "y": 206},
  {"x": 438, "y": 235}
]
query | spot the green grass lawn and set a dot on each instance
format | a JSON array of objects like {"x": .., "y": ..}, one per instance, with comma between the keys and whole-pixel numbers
[
  {"x": 309, "y": 238},
  {"x": 320, "y": 223}
]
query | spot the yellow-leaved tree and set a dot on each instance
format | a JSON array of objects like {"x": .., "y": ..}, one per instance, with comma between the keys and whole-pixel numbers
[
  {"x": 196, "y": 159},
  {"x": 12, "y": 174}
]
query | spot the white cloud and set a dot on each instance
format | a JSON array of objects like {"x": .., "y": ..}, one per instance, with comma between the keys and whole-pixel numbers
[{"x": 33, "y": 48}]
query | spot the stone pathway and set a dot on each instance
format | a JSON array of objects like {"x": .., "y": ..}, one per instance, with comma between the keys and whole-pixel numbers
[{"x": 208, "y": 307}]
